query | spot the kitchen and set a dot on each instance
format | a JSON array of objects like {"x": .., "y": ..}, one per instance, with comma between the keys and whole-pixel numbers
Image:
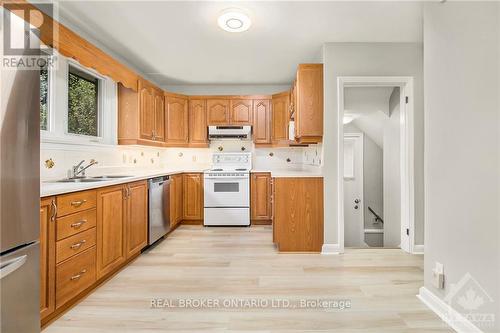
[{"x": 172, "y": 166}]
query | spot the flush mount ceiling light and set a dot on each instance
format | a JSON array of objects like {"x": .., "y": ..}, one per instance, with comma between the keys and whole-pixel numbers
[{"x": 234, "y": 20}]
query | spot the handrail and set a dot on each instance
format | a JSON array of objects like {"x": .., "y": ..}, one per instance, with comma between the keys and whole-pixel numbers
[{"x": 377, "y": 217}]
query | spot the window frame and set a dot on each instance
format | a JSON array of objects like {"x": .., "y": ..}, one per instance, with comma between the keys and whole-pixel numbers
[{"x": 57, "y": 133}]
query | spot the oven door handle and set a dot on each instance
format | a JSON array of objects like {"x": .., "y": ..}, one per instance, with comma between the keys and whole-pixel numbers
[{"x": 227, "y": 179}]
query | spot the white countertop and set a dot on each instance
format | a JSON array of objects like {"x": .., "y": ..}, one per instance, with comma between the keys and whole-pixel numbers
[{"x": 49, "y": 188}]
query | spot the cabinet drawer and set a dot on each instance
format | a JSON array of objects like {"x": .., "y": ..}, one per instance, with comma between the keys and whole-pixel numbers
[
  {"x": 75, "y": 223},
  {"x": 75, "y": 202},
  {"x": 75, "y": 244},
  {"x": 75, "y": 275}
]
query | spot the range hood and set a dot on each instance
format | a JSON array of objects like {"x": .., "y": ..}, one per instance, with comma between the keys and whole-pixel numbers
[{"x": 229, "y": 132}]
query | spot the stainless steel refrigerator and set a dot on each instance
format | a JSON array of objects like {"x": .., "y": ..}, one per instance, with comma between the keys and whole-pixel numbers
[{"x": 19, "y": 200}]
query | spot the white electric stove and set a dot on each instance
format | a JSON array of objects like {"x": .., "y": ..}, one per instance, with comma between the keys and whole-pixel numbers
[{"x": 227, "y": 190}]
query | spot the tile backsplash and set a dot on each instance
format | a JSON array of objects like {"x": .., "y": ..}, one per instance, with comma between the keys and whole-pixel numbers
[{"x": 110, "y": 158}]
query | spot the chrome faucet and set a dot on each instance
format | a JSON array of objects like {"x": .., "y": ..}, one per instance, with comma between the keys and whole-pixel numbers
[{"x": 79, "y": 170}]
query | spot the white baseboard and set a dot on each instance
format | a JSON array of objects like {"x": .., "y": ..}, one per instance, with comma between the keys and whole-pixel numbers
[
  {"x": 450, "y": 316},
  {"x": 418, "y": 249},
  {"x": 330, "y": 249}
]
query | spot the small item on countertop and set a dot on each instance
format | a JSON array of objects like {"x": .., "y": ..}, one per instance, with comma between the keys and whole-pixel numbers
[
  {"x": 271, "y": 154},
  {"x": 220, "y": 148},
  {"x": 288, "y": 160}
]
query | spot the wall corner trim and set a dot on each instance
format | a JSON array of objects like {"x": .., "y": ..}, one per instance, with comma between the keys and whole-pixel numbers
[
  {"x": 450, "y": 316},
  {"x": 418, "y": 249},
  {"x": 330, "y": 249}
]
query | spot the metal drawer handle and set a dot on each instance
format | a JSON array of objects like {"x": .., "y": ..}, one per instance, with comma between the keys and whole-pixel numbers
[
  {"x": 78, "y": 224},
  {"x": 78, "y": 203},
  {"x": 78, "y": 245},
  {"x": 79, "y": 275}
]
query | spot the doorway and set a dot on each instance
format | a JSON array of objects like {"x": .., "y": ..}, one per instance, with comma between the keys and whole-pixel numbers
[{"x": 376, "y": 162}]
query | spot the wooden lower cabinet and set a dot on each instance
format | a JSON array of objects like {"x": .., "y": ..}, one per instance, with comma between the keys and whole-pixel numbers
[
  {"x": 298, "y": 214},
  {"x": 260, "y": 198},
  {"x": 75, "y": 275},
  {"x": 82, "y": 246},
  {"x": 136, "y": 217},
  {"x": 47, "y": 256},
  {"x": 176, "y": 199},
  {"x": 110, "y": 229},
  {"x": 193, "y": 196}
]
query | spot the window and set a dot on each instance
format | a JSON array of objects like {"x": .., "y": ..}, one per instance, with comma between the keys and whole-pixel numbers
[
  {"x": 44, "y": 100},
  {"x": 83, "y": 102}
]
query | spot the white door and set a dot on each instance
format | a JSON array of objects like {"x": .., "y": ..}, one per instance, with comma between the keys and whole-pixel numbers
[{"x": 353, "y": 191}]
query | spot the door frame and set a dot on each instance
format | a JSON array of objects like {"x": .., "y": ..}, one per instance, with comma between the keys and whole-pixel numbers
[
  {"x": 360, "y": 140},
  {"x": 405, "y": 84}
]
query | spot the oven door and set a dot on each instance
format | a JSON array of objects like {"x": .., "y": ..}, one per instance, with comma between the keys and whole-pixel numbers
[{"x": 227, "y": 192}]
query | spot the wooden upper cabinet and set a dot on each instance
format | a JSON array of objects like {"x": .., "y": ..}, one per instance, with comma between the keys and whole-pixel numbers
[
  {"x": 198, "y": 123},
  {"x": 241, "y": 112},
  {"x": 218, "y": 111},
  {"x": 177, "y": 119},
  {"x": 262, "y": 121},
  {"x": 193, "y": 196},
  {"x": 110, "y": 229},
  {"x": 146, "y": 110},
  {"x": 47, "y": 257},
  {"x": 260, "y": 197},
  {"x": 280, "y": 117},
  {"x": 141, "y": 115},
  {"x": 159, "y": 107},
  {"x": 136, "y": 217},
  {"x": 309, "y": 103}
]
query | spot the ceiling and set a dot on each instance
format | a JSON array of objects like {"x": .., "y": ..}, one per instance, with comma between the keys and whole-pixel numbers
[
  {"x": 369, "y": 106},
  {"x": 179, "y": 43}
]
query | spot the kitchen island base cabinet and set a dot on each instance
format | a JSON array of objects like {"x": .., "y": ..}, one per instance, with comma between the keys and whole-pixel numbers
[{"x": 298, "y": 214}]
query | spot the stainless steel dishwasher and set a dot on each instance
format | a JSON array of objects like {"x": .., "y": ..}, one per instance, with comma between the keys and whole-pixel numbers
[{"x": 159, "y": 208}]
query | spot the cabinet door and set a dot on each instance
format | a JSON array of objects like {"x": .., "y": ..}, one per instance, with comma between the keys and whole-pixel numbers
[
  {"x": 47, "y": 256},
  {"x": 261, "y": 121},
  {"x": 146, "y": 111},
  {"x": 241, "y": 112},
  {"x": 198, "y": 122},
  {"x": 218, "y": 111},
  {"x": 159, "y": 105},
  {"x": 176, "y": 111},
  {"x": 176, "y": 199},
  {"x": 309, "y": 103},
  {"x": 261, "y": 200},
  {"x": 193, "y": 196},
  {"x": 280, "y": 118},
  {"x": 136, "y": 217},
  {"x": 110, "y": 229}
]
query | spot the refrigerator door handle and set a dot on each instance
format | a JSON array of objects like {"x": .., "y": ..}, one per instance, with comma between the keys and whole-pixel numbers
[{"x": 12, "y": 265}]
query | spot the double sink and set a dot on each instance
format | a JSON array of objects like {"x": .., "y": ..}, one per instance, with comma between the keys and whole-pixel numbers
[{"x": 90, "y": 179}]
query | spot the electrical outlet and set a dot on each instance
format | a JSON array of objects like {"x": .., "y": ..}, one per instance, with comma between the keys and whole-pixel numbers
[
  {"x": 438, "y": 276},
  {"x": 194, "y": 158}
]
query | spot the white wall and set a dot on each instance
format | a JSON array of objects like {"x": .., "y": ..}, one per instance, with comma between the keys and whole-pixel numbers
[
  {"x": 461, "y": 63},
  {"x": 392, "y": 173},
  {"x": 369, "y": 59}
]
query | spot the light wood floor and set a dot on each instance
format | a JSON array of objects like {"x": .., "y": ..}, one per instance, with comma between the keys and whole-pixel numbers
[{"x": 241, "y": 263}]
